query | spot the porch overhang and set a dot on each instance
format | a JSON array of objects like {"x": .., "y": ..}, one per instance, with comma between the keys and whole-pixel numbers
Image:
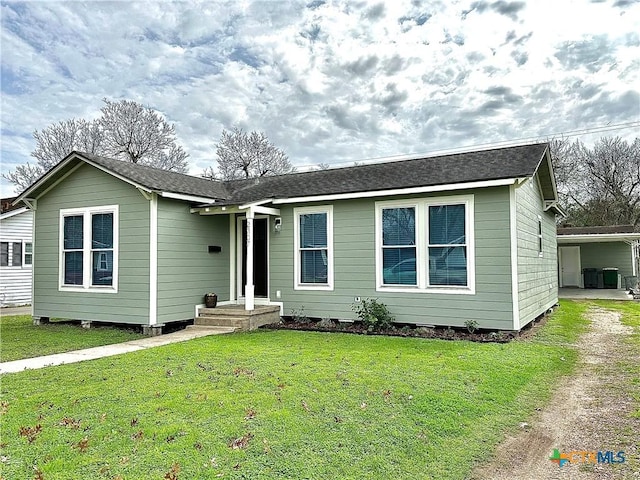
[
  {"x": 250, "y": 210},
  {"x": 601, "y": 237}
]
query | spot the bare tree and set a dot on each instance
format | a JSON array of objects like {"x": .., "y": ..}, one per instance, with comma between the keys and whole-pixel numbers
[
  {"x": 600, "y": 185},
  {"x": 247, "y": 155},
  {"x": 140, "y": 135},
  {"x": 126, "y": 130}
]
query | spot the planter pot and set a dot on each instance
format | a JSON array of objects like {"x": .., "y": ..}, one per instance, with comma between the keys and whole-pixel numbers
[{"x": 211, "y": 300}]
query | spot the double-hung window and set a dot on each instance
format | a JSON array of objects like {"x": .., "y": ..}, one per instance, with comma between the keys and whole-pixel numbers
[
  {"x": 89, "y": 250},
  {"x": 426, "y": 245},
  {"x": 313, "y": 263},
  {"x": 399, "y": 246}
]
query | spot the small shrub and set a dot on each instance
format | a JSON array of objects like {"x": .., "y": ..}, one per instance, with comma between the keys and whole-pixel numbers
[
  {"x": 298, "y": 315},
  {"x": 471, "y": 325},
  {"x": 374, "y": 314},
  {"x": 326, "y": 323}
]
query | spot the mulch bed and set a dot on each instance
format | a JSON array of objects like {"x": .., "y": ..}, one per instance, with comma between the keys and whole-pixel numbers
[{"x": 443, "y": 333}]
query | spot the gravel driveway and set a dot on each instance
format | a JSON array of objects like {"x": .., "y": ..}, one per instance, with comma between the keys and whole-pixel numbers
[{"x": 588, "y": 412}]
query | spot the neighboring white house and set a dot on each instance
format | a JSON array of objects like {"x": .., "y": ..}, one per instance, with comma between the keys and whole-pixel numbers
[{"x": 16, "y": 254}]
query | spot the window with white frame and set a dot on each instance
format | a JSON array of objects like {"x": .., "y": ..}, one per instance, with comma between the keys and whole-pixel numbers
[
  {"x": 28, "y": 254},
  {"x": 426, "y": 245},
  {"x": 313, "y": 232},
  {"x": 89, "y": 251},
  {"x": 539, "y": 236},
  {"x": 399, "y": 246}
]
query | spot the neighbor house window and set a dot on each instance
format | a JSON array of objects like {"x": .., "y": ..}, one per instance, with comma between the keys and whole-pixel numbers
[
  {"x": 89, "y": 248},
  {"x": 11, "y": 254},
  {"x": 313, "y": 230},
  {"x": 426, "y": 245},
  {"x": 28, "y": 253},
  {"x": 16, "y": 254},
  {"x": 4, "y": 254}
]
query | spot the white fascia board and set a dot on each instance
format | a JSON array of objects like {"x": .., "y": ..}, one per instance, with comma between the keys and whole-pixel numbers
[
  {"x": 398, "y": 191},
  {"x": 599, "y": 237},
  {"x": 42, "y": 180},
  {"x": 254, "y": 204},
  {"x": 187, "y": 198},
  {"x": 65, "y": 162},
  {"x": 13, "y": 213}
]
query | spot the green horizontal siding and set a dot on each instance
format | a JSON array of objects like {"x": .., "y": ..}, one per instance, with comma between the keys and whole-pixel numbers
[
  {"x": 606, "y": 255},
  {"x": 354, "y": 263},
  {"x": 186, "y": 269},
  {"x": 537, "y": 275},
  {"x": 89, "y": 187}
]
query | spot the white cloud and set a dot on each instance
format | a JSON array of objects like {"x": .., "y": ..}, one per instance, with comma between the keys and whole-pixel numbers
[{"x": 327, "y": 81}]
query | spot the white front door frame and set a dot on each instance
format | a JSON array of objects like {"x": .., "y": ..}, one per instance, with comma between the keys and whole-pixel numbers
[
  {"x": 567, "y": 254},
  {"x": 248, "y": 299}
]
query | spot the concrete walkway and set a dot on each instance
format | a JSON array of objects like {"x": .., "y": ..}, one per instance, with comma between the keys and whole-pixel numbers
[
  {"x": 593, "y": 294},
  {"x": 110, "y": 350}
]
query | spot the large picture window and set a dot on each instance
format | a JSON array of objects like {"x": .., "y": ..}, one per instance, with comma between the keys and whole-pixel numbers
[
  {"x": 88, "y": 257},
  {"x": 314, "y": 248},
  {"x": 426, "y": 245}
]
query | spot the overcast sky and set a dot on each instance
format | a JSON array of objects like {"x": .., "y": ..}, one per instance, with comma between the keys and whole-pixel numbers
[{"x": 328, "y": 81}]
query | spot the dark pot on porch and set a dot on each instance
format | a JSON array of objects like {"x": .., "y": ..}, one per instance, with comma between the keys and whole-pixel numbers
[{"x": 211, "y": 300}]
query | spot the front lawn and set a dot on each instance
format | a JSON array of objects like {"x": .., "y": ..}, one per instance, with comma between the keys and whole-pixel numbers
[
  {"x": 19, "y": 338},
  {"x": 278, "y": 404}
]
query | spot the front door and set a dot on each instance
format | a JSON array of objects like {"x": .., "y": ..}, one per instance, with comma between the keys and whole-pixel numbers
[
  {"x": 569, "y": 266},
  {"x": 260, "y": 256}
]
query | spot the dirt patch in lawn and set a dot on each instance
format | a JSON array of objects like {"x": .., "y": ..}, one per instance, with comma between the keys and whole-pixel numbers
[{"x": 588, "y": 412}]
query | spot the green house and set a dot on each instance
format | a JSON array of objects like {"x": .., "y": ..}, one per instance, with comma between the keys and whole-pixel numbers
[{"x": 440, "y": 240}]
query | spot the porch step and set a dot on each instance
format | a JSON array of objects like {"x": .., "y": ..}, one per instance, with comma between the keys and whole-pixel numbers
[
  {"x": 235, "y": 316},
  {"x": 213, "y": 328}
]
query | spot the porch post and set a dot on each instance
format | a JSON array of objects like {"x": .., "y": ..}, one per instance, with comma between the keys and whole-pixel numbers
[{"x": 249, "y": 287}]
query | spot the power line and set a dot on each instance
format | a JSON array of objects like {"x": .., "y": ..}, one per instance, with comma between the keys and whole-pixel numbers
[{"x": 490, "y": 145}]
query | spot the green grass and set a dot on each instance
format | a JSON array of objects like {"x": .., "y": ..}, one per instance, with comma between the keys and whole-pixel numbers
[
  {"x": 567, "y": 325},
  {"x": 313, "y": 405},
  {"x": 627, "y": 371},
  {"x": 19, "y": 338}
]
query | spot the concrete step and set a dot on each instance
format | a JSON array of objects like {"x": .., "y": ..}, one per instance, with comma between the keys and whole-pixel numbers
[
  {"x": 222, "y": 321},
  {"x": 237, "y": 310},
  {"x": 213, "y": 328}
]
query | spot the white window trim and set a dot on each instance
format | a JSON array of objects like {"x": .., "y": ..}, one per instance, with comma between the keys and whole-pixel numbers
[
  {"x": 540, "y": 237},
  {"x": 297, "y": 285},
  {"x": 86, "y": 249},
  {"x": 422, "y": 226}
]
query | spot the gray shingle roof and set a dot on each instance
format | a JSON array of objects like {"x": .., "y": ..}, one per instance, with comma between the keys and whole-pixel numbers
[
  {"x": 161, "y": 180},
  {"x": 510, "y": 162},
  {"x": 500, "y": 163}
]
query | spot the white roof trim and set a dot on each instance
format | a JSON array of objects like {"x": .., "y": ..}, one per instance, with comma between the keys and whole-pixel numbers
[
  {"x": 63, "y": 163},
  {"x": 598, "y": 237},
  {"x": 188, "y": 198},
  {"x": 13, "y": 213},
  {"x": 398, "y": 191}
]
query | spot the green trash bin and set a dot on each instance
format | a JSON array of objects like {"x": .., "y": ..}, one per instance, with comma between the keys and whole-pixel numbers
[{"x": 610, "y": 277}]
